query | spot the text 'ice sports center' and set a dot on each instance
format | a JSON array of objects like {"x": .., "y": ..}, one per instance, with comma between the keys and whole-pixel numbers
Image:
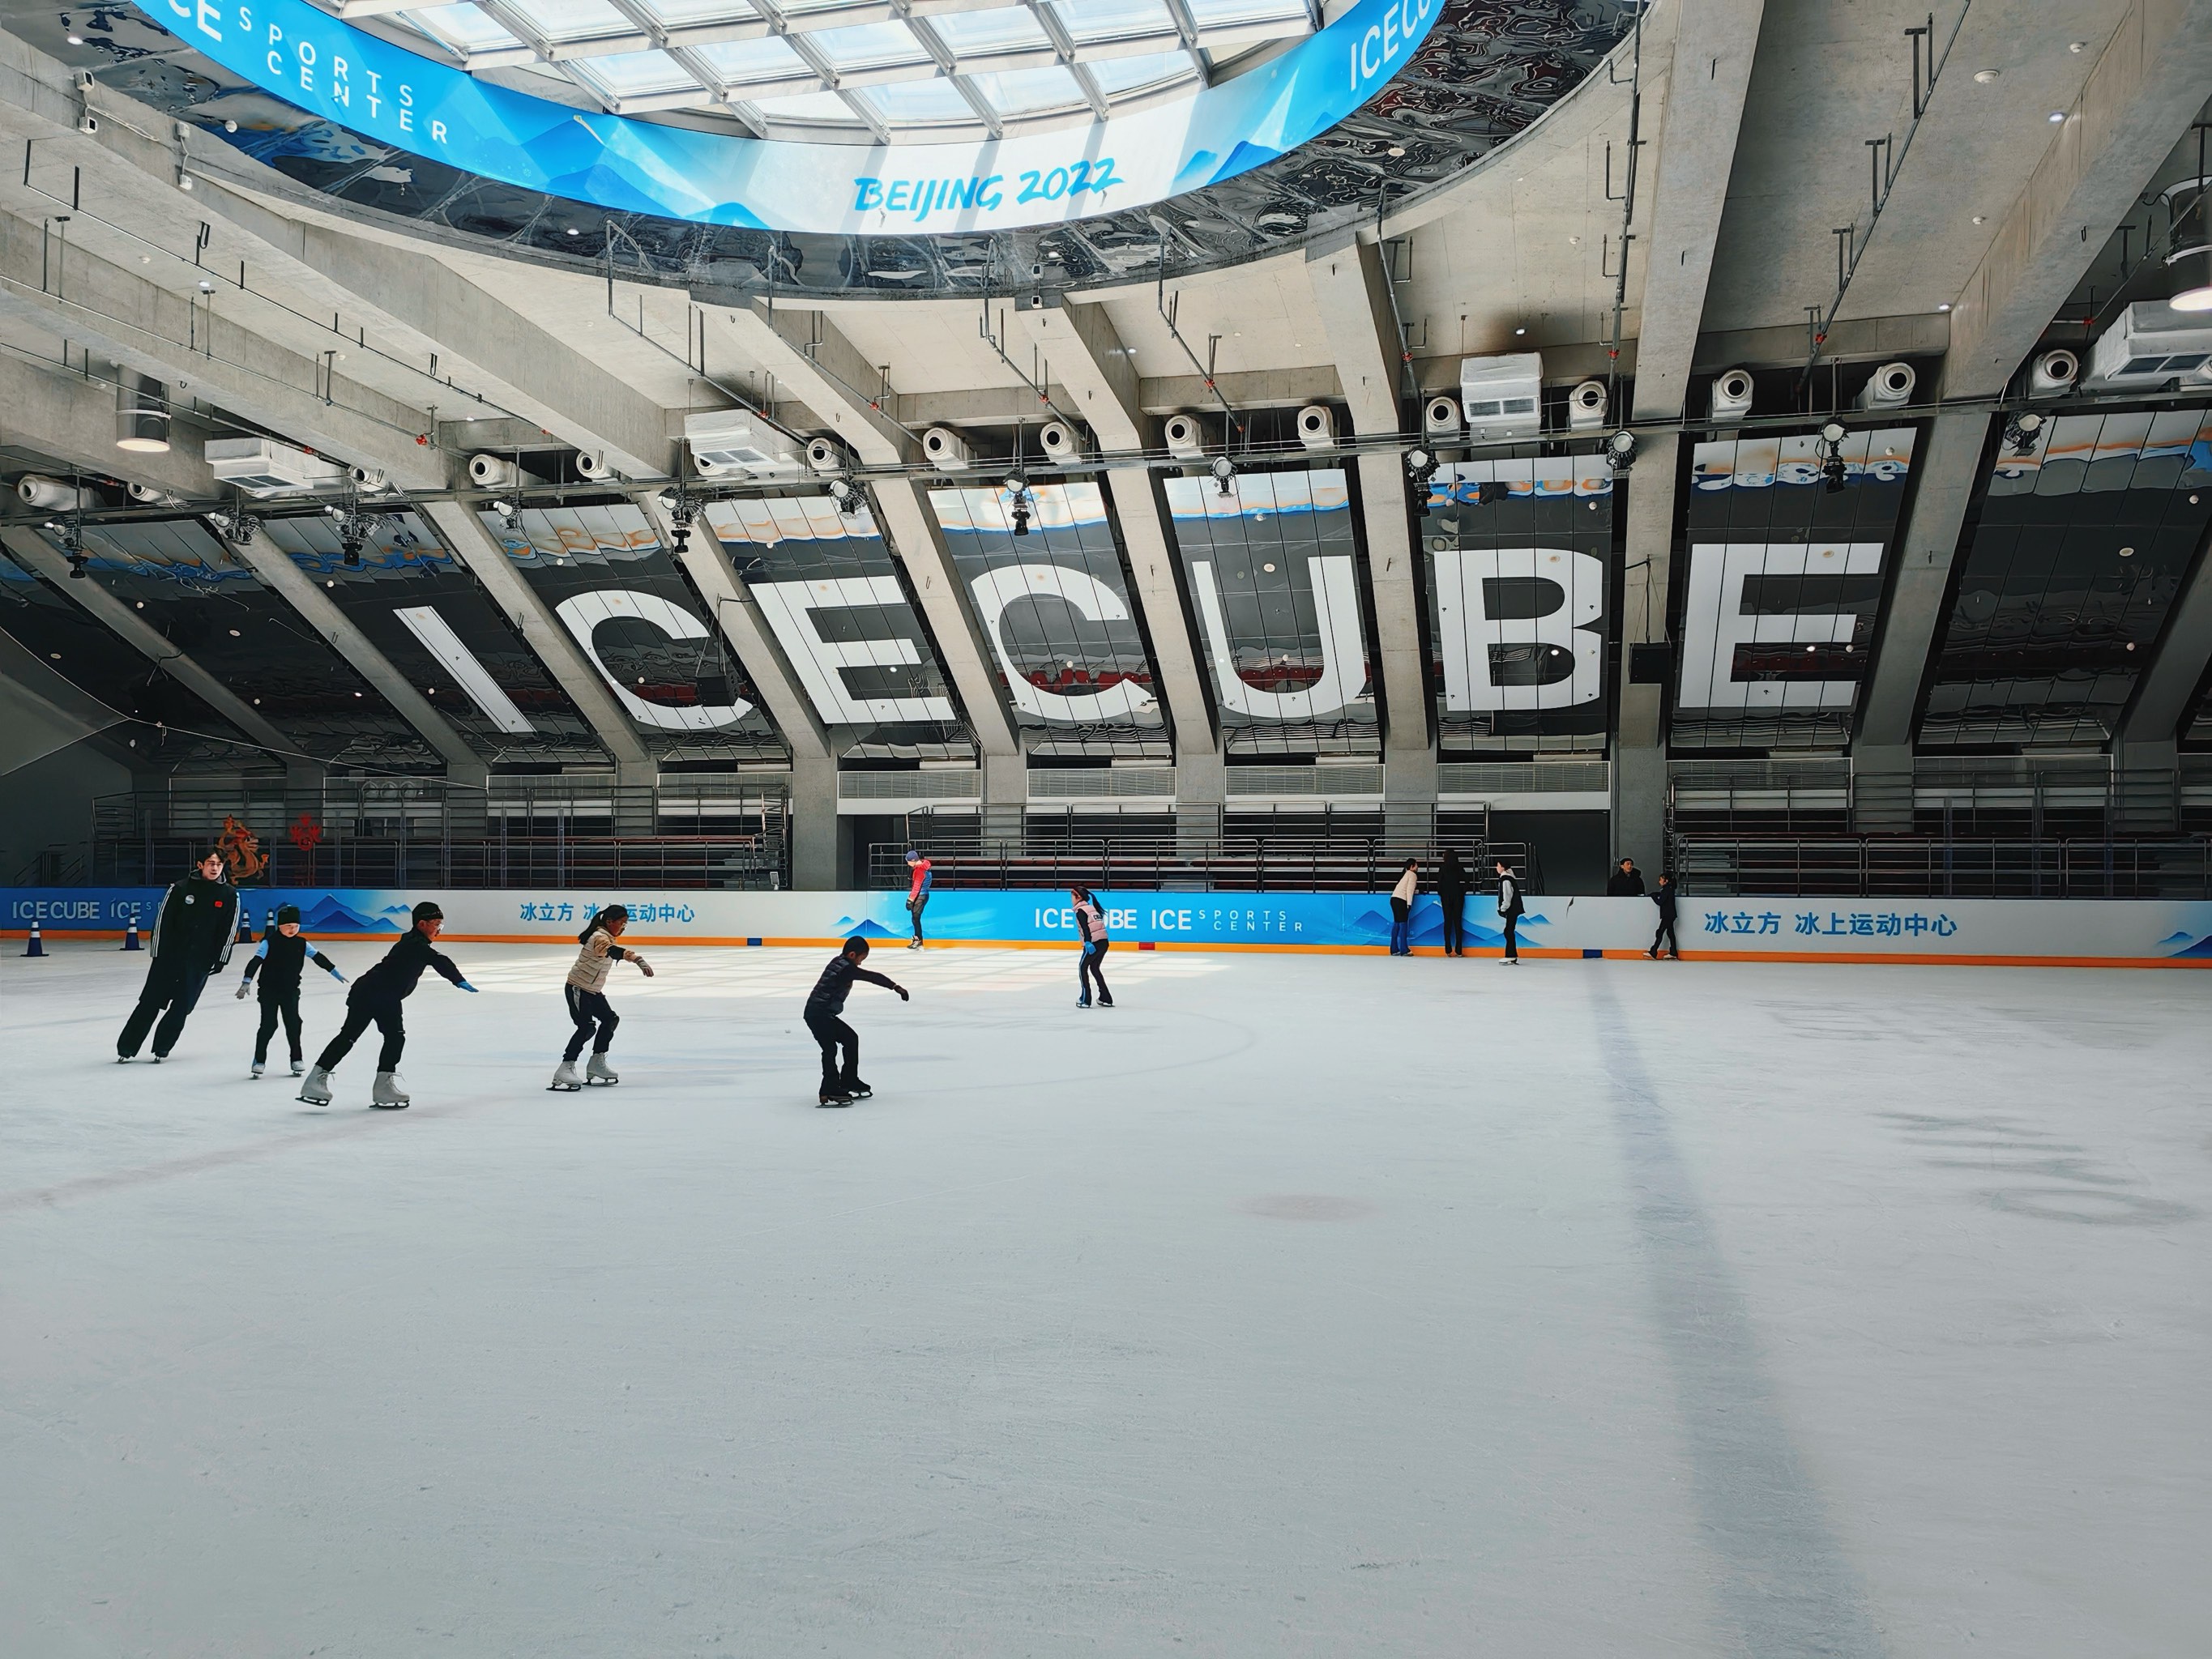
[{"x": 1027, "y": 829}]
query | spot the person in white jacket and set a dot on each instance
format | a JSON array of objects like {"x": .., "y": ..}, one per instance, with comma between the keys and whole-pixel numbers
[{"x": 1401, "y": 909}]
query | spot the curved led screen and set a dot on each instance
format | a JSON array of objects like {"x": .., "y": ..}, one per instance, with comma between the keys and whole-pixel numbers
[{"x": 384, "y": 92}]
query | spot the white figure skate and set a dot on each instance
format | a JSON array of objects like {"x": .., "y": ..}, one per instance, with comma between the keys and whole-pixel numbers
[{"x": 388, "y": 1095}]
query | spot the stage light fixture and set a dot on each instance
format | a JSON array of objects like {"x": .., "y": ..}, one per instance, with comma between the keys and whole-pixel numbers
[
  {"x": 1620, "y": 450},
  {"x": 2021, "y": 430},
  {"x": 1421, "y": 465},
  {"x": 1224, "y": 474}
]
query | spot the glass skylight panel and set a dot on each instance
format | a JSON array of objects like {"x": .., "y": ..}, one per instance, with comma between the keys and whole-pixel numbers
[
  {"x": 1230, "y": 14},
  {"x": 868, "y": 45},
  {"x": 574, "y": 20},
  {"x": 808, "y": 107},
  {"x": 916, "y": 101},
  {"x": 768, "y": 58},
  {"x": 690, "y": 14},
  {"x": 1119, "y": 76},
  {"x": 1091, "y": 21},
  {"x": 639, "y": 74},
  {"x": 1003, "y": 29},
  {"x": 464, "y": 27},
  {"x": 1030, "y": 91}
]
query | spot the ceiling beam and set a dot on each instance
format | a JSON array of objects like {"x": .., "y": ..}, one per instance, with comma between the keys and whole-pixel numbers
[
  {"x": 1351, "y": 290},
  {"x": 911, "y": 532},
  {"x": 1715, "y": 42},
  {"x": 72, "y": 418},
  {"x": 280, "y": 573},
  {"x": 34, "y": 552},
  {"x": 2148, "y": 86},
  {"x": 463, "y": 532},
  {"x": 823, "y": 370}
]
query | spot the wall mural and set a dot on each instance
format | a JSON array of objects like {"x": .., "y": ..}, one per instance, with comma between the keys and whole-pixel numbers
[{"x": 1775, "y": 603}]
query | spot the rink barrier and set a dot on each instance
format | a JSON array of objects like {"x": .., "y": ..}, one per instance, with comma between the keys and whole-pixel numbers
[{"x": 1961, "y": 932}]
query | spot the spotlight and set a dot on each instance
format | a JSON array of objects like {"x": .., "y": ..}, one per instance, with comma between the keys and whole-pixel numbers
[
  {"x": 845, "y": 497},
  {"x": 1224, "y": 474},
  {"x": 1421, "y": 465},
  {"x": 1832, "y": 433},
  {"x": 1490, "y": 494},
  {"x": 505, "y": 509},
  {"x": 1834, "y": 474},
  {"x": 1620, "y": 450},
  {"x": 2020, "y": 431},
  {"x": 350, "y": 542},
  {"x": 1021, "y": 516}
]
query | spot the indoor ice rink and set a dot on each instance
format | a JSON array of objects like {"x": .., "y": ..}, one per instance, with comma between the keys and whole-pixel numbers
[{"x": 1105, "y": 827}]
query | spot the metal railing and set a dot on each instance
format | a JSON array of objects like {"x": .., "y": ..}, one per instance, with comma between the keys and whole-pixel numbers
[
  {"x": 1218, "y": 866},
  {"x": 1927, "y": 866}
]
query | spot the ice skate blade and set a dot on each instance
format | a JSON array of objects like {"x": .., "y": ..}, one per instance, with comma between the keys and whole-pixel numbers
[
  {"x": 387, "y": 1105},
  {"x": 564, "y": 1088},
  {"x": 601, "y": 1081}
]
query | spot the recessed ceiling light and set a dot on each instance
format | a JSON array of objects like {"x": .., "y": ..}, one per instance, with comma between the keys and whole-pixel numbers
[
  {"x": 1981, "y": 218},
  {"x": 2127, "y": 552},
  {"x": 1985, "y": 76},
  {"x": 1520, "y": 330},
  {"x": 572, "y": 231},
  {"x": 76, "y": 39},
  {"x": 1397, "y": 150},
  {"x": 2058, "y": 115},
  {"x": 1945, "y": 305},
  {"x": 1574, "y": 242},
  {"x": 2078, "y": 45}
]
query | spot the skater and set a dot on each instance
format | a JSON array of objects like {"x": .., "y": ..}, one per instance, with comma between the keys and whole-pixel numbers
[
  {"x": 283, "y": 957},
  {"x": 1626, "y": 882},
  {"x": 1510, "y": 907},
  {"x": 586, "y": 993},
  {"x": 841, "y": 1085},
  {"x": 1091, "y": 924},
  {"x": 920, "y": 874},
  {"x": 1452, "y": 894},
  {"x": 1401, "y": 907},
  {"x": 375, "y": 1000},
  {"x": 193, "y": 936},
  {"x": 1664, "y": 898}
]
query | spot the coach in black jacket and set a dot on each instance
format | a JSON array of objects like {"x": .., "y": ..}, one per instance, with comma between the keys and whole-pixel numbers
[{"x": 191, "y": 938}]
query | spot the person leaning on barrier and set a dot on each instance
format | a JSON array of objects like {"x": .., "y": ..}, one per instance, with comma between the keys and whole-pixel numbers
[{"x": 1626, "y": 882}]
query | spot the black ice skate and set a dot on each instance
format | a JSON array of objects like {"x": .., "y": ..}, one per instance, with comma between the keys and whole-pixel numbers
[
  {"x": 852, "y": 1089},
  {"x": 833, "y": 1094}
]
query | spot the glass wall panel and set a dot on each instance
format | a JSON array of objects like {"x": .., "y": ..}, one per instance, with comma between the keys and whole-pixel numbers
[
  {"x": 615, "y": 588},
  {"x": 2081, "y": 547},
  {"x": 1776, "y": 594},
  {"x": 1275, "y": 580},
  {"x": 1053, "y": 600},
  {"x": 830, "y": 590},
  {"x": 1518, "y": 592},
  {"x": 84, "y": 650},
  {"x": 178, "y": 576},
  {"x": 424, "y": 612}
]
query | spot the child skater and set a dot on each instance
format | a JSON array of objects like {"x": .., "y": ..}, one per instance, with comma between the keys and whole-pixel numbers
[
  {"x": 375, "y": 1000},
  {"x": 284, "y": 954},
  {"x": 1091, "y": 924},
  {"x": 587, "y": 1000},
  {"x": 842, "y": 1085}
]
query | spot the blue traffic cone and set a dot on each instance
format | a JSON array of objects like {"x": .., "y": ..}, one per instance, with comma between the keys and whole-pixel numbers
[
  {"x": 37, "y": 946},
  {"x": 130, "y": 934}
]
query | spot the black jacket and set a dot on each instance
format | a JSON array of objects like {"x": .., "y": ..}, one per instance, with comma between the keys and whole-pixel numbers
[
  {"x": 1664, "y": 898},
  {"x": 1625, "y": 884},
  {"x": 829, "y": 991},
  {"x": 1452, "y": 885},
  {"x": 197, "y": 923},
  {"x": 395, "y": 976},
  {"x": 1509, "y": 896},
  {"x": 280, "y": 961}
]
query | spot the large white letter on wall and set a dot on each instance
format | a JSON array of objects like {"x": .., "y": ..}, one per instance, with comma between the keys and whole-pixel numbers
[
  {"x": 1466, "y": 630},
  {"x": 790, "y": 608},
  {"x": 583, "y": 612},
  {"x": 1344, "y": 654},
  {"x": 1714, "y": 621},
  {"x": 994, "y": 590}
]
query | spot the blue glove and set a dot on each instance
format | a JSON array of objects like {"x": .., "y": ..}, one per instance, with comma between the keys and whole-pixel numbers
[
  {"x": 338, "y": 976},
  {"x": 465, "y": 986}
]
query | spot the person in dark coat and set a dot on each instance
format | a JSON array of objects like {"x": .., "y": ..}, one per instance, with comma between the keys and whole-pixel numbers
[
  {"x": 1664, "y": 898},
  {"x": 192, "y": 937},
  {"x": 1626, "y": 882},
  {"x": 375, "y": 1000},
  {"x": 285, "y": 953},
  {"x": 1451, "y": 895},
  {"x": 1510, "y": 907},
  {"x": 825, "y": 1003}
]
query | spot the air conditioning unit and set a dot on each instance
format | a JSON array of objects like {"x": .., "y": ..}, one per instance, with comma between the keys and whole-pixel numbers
[
  {"x": 736, "y": 442},
  {"x": 497, "y": 472},
  {"x": 52, "y": 495},
  {"x": 1440, "y": 420},
  {"x": 1586, "y": 407},
  {"x": 1731, "y": 395},
  {"x": 1890, "y": 386},
  {"x": 1501, "y": 397},
  {"x": 945, "y": 447},
  {"x": 1316, "y": 427},
  {"x": 262, "y": 466},
  {"x": 2150, "y": 344},
  {"x": 1060, "y": 441},
  {"x": 593, "y": 463},
  {"x": 2053, "y": 373}
]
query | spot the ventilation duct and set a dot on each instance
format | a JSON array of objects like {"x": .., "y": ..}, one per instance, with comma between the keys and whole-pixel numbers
[
  {"x": 1440, "y": 420},
  {"x": 370, "y": 478},
  {"x": 592, "y": 464},
  {"x": 1889, "y": 387},
  {"x": 1316, "y": 427},
  {"x": 497, "y": 472},
  {"x": 1059, "y": 442},
  {"x": 2053, "y": 374},
  {"x": 52, "y": 495},
  {"x": 1731, "y": 396},
  {"x": 262, "y": 466},
  {"x": 141, "y": 413},
  {"x": 1586, "y": 407},
  {"x": 945, "y": 447},
  {"x": 827, "y": 455},
  {"x": 737, "y": 442},
  {"x": 149, "y": 496},
  {"x": 1499, "y": 396},
  {"x": 1185, "y": 440},
  {"x": 2149, "y": 343}
]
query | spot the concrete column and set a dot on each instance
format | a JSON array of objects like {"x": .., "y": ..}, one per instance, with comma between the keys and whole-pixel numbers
[
  {"x": 464, "y": 766},
  {"x": 814, "y": 824},
  {"x": 1639, "y": 751},
  {"x": 910, "y": 530},
  {"x": 476, "y": 547}
]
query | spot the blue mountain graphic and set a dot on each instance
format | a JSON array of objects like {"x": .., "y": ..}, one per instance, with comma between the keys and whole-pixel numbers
[
  {"x": 327, "y": 912},
  {"x": 2202, "y": 948}
]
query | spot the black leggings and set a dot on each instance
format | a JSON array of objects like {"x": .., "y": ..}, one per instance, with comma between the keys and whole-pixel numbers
[
  {"x": 1088, "y": 968},
  {"x": 589, "y": 1009},
  {"x": 386, "y": 1017},
  {"x": 174, "y": 985},
  {"x": 1666, "y": 931},
  {"x": 1455, "y": 925},
  {"x": 284, "y": 1003},
  {"x": 832, "y": 1032},
  {"x": 915, "y": 906},
  {"x": 1512, "y": 944}
]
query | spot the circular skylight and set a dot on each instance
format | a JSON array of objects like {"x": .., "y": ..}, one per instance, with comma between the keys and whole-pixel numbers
[{"x": 917, "y": 70}]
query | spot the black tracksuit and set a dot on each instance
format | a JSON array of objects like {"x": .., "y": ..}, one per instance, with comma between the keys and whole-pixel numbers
[
  {"x": 1452, "y": 897},
  {"x": 376, "y": 994},
  {"x": 1664, "y": 898},
  {"x": 1625, "y": 884},
  {"x": 191, "y": 938},
  {"x": 824, "y": 1003},
  {"x": 1510, "y": 907},
  {"x": 280, "y": 961}
]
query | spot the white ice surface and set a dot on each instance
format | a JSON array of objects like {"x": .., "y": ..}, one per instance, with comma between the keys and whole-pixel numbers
[{"x": 1301, "y": 1305}]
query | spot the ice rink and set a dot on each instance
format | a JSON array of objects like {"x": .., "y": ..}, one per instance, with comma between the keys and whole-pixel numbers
[{"x": 1309, "y": 1305}]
